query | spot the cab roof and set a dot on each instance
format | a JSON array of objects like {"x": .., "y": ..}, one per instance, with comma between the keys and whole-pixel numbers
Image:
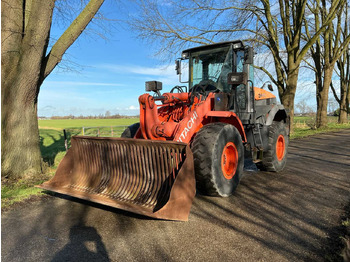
[{"x": 211, "y": 46}]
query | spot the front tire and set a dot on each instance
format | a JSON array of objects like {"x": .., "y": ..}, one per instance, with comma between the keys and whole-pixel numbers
[
  {"x": 130, "y": 131},
  {"x": 275, "y": 157},
  {"x": 218, "y": 159}
]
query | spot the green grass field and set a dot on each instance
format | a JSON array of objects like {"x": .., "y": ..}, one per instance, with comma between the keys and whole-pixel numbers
[
  {"x": 52, "y": 138},
  {"x": 78, "y": 123}
]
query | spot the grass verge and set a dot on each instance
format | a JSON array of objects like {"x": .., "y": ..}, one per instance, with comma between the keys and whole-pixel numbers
[
  {"x": 13, "y": 192},
  {"x": 305, "y": 127}
]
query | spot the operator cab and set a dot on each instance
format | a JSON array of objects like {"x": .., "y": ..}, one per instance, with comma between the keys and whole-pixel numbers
[{"x": 226, "y": 68}]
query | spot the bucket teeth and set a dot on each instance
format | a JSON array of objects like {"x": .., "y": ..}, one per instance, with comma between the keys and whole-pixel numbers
[{"x": 152, "y": 178}]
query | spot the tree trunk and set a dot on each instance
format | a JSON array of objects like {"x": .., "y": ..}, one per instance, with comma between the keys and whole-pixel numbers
[
  {"x": 343, "y": 109},
  {"x": 20, "y": 134},
  {"x": 20, "y": 82},
  {"x": 343, "y": 115},
  {"x": 288, "y": 102},
  {"x": 321, "y": 114},
  {"x": 322, "y": 98},
  {"x": 288, "y": 95},
  {"x": 20, "y": 144}
]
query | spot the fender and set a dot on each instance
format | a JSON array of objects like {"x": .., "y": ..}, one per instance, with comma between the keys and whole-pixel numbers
[
  {"x": 226, "y": 117},
  {"x": 277, "y": 111}
]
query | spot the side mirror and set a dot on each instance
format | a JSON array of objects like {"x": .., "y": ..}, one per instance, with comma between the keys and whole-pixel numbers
[
  {"x": 237, "y": 78},
  {"x": 269, "y": 86},
  {"x": 249, "y": 55},
  {"x": 178, "y": 66}
]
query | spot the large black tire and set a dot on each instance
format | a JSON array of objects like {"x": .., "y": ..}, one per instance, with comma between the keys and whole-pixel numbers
[
  {"x": 275, "y": 157},
  {"x": 212, "y": 146},
  {"x": 130, "y": 131}
]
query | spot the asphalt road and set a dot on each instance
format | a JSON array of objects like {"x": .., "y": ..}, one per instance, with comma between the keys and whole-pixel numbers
[{"x": 271, "y": 217}]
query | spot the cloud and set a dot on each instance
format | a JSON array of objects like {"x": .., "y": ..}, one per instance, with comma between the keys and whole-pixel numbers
[
  {"x": 141, "y": 70},
  {"x": 132, "y": 108},
  {"x": 48, "y": 108}
]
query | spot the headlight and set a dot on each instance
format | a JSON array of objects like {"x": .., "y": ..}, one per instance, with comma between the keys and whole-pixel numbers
[
  {"x": 184, "y": 55},
  {"x": 153, "y": 86},
  {"x": 237, "y": 45}
]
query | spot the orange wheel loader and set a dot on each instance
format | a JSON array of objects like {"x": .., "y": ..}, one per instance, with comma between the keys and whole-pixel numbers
[{"x": 195, "y": 136}]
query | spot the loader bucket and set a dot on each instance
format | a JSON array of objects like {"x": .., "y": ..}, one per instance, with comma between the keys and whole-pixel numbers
[{"x": 150, "y": 178}]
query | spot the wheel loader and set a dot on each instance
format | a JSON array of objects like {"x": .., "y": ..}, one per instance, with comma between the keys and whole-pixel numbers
[{"x": 194, "y": 137}]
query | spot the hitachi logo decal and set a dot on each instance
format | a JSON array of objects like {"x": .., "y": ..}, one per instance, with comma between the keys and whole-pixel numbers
[{"x": 188, "y": 127}]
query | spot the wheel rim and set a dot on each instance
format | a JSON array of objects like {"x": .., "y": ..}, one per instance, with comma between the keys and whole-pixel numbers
[
  {"x": 229, "y": 160},
  {"x": 280, "y": 147}
]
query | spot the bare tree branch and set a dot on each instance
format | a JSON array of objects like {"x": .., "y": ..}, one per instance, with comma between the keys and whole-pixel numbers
[{"x": 70, "y": 35}]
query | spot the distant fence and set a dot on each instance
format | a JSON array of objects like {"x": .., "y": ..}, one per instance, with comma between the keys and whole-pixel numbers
[
  {"x": 110, "y": 131},
  {"x": 99, "y": 131}
]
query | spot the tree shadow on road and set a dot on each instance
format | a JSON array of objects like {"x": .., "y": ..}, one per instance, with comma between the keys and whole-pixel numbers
[
  {"x": 291, "y": 213},
  {"x": 85, "y": 244}
]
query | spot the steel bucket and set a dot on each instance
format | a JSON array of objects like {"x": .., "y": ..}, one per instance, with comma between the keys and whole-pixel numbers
[{"x": 151, "y": 178}]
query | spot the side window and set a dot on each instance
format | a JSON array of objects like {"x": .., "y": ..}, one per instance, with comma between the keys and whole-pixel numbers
[
  {"x": 197, "y": 71},
  {"x": 251, "y": 73},
  {"x": 225, "y": 70},
  {"x": 214, "y": 71},
  {"x": 241, "y": 89},
  {"x": 240, "y": 61},
  {"x": 241, "y": 96}
]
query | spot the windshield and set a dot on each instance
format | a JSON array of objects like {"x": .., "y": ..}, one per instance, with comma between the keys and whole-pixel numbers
[{"x": 211, "y": 67}]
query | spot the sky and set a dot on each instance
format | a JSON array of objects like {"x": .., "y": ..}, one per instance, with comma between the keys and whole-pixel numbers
[
  {"x": 104, "y": 74},
  {"x": 99, "y": 75}
]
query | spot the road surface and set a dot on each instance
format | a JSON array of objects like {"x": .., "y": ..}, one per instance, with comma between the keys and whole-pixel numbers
[{"x": 271, "y": 217}]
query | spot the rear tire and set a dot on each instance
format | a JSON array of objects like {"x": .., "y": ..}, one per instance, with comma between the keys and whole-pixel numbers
[
  {"x": 218, "y": 159},
  {"x": 130, "y": 131},
  {"x": 275, "y": 157}
]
